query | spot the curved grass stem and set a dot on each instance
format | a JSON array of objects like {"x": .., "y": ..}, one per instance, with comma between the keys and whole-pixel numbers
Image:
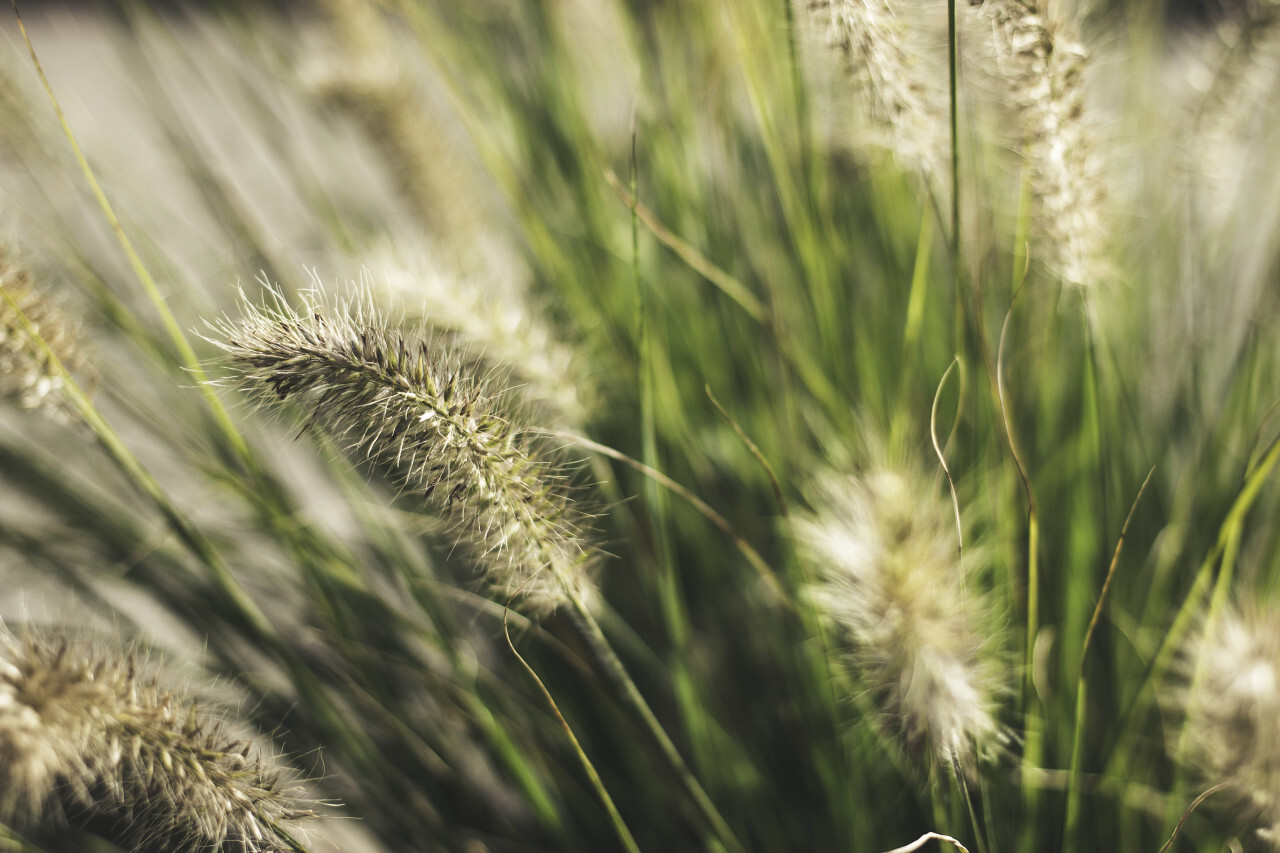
[
  {"x": 619, "y": 825},
  {"x": 616, "y": 675}
]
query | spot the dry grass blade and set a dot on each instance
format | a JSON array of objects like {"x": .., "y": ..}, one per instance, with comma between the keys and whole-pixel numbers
[{"x": 925, "y": 839}]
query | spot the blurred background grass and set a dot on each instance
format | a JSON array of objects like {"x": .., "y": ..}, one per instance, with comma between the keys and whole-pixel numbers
[{"x": 461, "y": 155}]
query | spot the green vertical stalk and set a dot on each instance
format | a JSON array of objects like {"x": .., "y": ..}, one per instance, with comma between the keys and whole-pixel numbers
[
  {"x": 953, "y": 82},
  {"x": 1218, "y": 600},
  {"x": 617, "y": 676},
  {"x": 1032, "y": 720},
  {"x": 187, "y": 356},
  {"x": 962, "y": 786},
  {"x": 672, "y": 604},
  {"x": 917, "y": 298},
  {"x": 619, "y": 825}
]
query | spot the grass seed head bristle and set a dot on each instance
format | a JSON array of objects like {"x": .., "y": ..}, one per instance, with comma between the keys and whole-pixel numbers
[
  {"x": 1231, "y": 698},
  {"x": 909, "y": 611},
  {"x": 418, "y": 406},
  {"x": 901, "y": 80},
  {"x": 1042, "y": 66},
  {"x": 490, "y": 313},
  {"x": 89, "y": 738},
  {"x": 27, "y": 373}
]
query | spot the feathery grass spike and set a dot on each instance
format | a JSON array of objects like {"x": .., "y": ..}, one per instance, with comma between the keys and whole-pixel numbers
[
  {"x": 1233, "y": 709},
  {"x": 1043, "y": 67},
  {"x": 896, "y": 76},
  {"x": 89, "y": 738},
  {"x": 28, "y": 374},
  {"x": 889, "y": 580},
  {"x": 405, "y": 401}
]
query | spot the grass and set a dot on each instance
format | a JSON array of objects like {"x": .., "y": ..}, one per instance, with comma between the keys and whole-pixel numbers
[{"x": 682, "y": 426}]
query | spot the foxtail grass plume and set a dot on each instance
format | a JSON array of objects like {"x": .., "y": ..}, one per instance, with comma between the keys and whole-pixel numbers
[
  {"x": 406, "y": 402},
  {"x": 1230, "y": 695},
  {"x": 490, "y": 313},
  {"x": 27, "y": 374},
  {"x": 1042, "y": 65},
  {"x": 900, "y": 76},
  {"x": 89, "y": 739},
  {"x": 908, "y": 610}
]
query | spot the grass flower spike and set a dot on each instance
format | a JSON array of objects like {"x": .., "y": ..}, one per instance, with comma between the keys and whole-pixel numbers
[
  {"x": 1233, "y": 710},
  {"x": 1043, "y": 69},
  {"x": 27, "y": 374},
  {"x": 492, "y": 314},
  {"x": 897, "y": 75},
  {"x": 890, "y": 583},
  {"x": 87, "y": 738},
  {"x": 408, "y": 403}
]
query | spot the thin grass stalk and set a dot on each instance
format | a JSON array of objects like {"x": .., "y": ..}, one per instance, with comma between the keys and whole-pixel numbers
[
  {"x": 729, "y": 285},
  {"x": 1093, "y": 387},
  {"x": 674, "y": 611},
  {"x": 917, "y": 298},
  {"x": 616, "y": 674},
  {"x": 1231, "y": 528},
  {"x": 509, "y": 753},
  {"x": 1090, "y": 455},
  {"x": 1217, "y": 601},
  {"x": 953, "y": 104},
  {"x": 754, "y": 450},
  {"x": 1082, "y": 702},
  {"x": 619, "y": 825},
  {"x": 1195, "y": 804},
  {"x": 136, "y": 473},
  {"x": 953, "y": 87},
  {"x": 1033, "y": 723},
  {"x": 797, "y": 357},
  {"x": 957, "y": 776},
  {"x": 187, "y": 355},
  {"x": 1022, "y": 228},
  {"x": 753, "y": 41},
  {"x": 751, "y": 555},
  {"x": 821, "y": 668},
  {"x": 804, "y": 131}
]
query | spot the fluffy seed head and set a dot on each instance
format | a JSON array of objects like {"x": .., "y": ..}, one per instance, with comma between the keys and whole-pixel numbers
[
  {"x": 900, "y": 80},
  {"x": 404, "y": 401},
  {"x": 909, "y": 611},
  {"x": 27, "y": 373},
  {"x": 1231, "y": 698},
  {"x": 88, "y": 738},
  {"x": 1043, "y": 68},
  {"x": 493, "y": 314}
]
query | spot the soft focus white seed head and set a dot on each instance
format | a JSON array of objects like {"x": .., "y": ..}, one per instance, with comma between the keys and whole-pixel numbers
[
  {"x": 909, "y": 610},
  {"x": 898, "y": 68},
  {"x": 1040, "y": 64},
  {"x": 1229, "y": 691}
]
